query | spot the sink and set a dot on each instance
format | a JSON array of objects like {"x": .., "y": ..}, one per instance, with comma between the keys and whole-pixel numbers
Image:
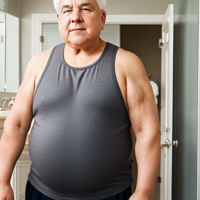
[{"x": 4, "y": 114}]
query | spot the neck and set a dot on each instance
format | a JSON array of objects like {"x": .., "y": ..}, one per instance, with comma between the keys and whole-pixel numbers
[{"x": 86, "y": 49}]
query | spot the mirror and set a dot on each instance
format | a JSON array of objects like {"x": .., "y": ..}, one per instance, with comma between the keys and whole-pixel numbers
[{"x": 9, "y": 53}]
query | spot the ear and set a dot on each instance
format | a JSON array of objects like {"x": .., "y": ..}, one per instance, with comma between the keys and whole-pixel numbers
[
  {"x": 103, "y": 19},
  {"x": 58, "y": 18}
]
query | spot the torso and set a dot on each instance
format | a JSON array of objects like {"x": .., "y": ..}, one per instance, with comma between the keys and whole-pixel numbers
[
  {"x": 119, "y": 70},
  {"x": 72, "y": 121}
]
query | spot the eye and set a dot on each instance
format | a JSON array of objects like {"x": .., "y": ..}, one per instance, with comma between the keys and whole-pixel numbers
[
  {"x": 85, "y": 9},
  {"x": 66, "y": 11}
]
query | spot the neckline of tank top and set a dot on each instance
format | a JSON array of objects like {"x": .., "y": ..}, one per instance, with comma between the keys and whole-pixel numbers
[{"x": 85, "y": 67}]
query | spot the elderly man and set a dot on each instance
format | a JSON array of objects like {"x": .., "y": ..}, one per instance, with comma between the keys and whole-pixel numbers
[{"x": 84, "y": 95}]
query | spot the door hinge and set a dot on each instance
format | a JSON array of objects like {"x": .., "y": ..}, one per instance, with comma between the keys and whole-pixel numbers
[
  {"x": 167, "y": 37},
  {"x": 1, "y": 38},
  {"x": 159, "y": 179},
  {"x": 41, "y": 38}
]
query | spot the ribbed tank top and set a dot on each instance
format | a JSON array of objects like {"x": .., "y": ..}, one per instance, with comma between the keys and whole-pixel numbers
[{"x": 80, "y": 145}]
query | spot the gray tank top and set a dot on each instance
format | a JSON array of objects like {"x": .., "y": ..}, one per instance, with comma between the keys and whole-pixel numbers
[{"x": 80, "y": 145}]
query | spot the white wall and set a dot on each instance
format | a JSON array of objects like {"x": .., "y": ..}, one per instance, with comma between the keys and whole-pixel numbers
[
  {"x": 113, "y": 7},
  {"x": 137, "y": 6}
]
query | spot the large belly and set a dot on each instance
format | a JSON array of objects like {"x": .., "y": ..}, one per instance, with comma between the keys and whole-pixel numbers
[{"x": 73, "y": 159}]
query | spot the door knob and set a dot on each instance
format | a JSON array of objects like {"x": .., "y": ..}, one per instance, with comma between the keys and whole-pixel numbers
[
  {"x": 175, "y": 143},
  {"x": 161, "y": 43},
  {"x": 166, "y": 144}
]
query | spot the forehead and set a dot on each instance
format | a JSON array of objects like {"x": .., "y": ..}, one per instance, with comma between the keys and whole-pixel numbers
[{"x": 77, "y": 2}]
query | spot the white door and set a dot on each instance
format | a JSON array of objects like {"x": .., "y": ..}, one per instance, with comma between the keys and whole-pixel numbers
[
  {"x": 166, "y": 43},
  {"x": 51, "y": 36}
]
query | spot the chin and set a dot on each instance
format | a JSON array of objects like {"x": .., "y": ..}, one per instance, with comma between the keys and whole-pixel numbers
[{"x": 78, "y": 42}]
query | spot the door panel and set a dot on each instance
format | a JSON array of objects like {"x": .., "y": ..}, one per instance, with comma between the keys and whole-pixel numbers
[
  {"x": 166, "y": 43},
  {"x": 51, "y": 35}
]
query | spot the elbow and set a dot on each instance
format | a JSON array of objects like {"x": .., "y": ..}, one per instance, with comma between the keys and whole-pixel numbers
[
  {"x": 11, "y": 121},
  {"x": 151, "y": 139},
  {"x": 11, "y": 129}
]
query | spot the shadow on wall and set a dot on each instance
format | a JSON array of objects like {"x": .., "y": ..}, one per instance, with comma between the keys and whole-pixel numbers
[{"x": 3, "y": 5}]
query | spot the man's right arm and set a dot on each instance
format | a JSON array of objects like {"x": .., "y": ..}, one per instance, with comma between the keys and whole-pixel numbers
[{"x": 18, "y": 123}]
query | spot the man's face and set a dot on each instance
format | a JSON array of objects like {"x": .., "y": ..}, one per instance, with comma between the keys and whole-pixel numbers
[{"x": 80, "y": 14}]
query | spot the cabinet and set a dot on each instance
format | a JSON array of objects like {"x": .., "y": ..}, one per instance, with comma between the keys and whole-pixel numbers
[{"x": 9, "y": 53}]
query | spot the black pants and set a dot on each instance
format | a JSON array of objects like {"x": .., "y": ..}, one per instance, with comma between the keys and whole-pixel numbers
[{"x": 33, "y": 194}]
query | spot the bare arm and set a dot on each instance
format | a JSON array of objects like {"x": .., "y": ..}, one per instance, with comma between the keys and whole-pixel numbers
[
  {"x": 17, "y": 124},
  {"x": 146, "y": 127}
]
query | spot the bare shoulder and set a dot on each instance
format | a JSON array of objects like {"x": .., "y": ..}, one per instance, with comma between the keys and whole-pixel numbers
[
  {"x": 39, "y": 60},
  {"x": 20, "y": 114},
  {"x": 138, "y": 86},
  {"x": 35, "y": 66},
  {"x": 130, "y": 64}
]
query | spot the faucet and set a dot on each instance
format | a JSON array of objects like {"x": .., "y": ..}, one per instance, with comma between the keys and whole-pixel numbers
[
  {"x": 6, "y": 101},
  {"x": 11, "y": 102},
  {"x": 3, "y": 103}
]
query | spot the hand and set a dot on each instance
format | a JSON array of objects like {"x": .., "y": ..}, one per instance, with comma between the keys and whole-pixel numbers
[
  {"x": 138, "y": 196},
  {"x": 6, "y": 192}
]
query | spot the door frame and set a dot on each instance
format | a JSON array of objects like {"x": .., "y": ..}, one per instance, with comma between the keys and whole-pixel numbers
[{"x": 39, "y": 19}]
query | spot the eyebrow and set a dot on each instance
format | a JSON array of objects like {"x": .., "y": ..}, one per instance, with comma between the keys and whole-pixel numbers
[{"x": 83, "y": 4}]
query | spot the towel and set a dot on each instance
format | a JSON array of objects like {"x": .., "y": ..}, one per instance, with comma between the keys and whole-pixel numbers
[{"x": 155, "y": 90}]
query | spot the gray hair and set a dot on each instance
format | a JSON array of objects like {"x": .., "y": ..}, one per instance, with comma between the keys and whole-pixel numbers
[{"x": 100, "y": 3}]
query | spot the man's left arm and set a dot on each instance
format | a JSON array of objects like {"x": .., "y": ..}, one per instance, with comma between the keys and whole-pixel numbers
[{"x": 143, "y": 114}]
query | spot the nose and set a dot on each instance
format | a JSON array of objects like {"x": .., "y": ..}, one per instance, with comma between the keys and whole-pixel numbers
[{"x": 76, "y": 16}]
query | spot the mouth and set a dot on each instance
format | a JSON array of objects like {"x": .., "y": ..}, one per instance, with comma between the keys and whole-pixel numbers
[{"x": 77, "y": 30}]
